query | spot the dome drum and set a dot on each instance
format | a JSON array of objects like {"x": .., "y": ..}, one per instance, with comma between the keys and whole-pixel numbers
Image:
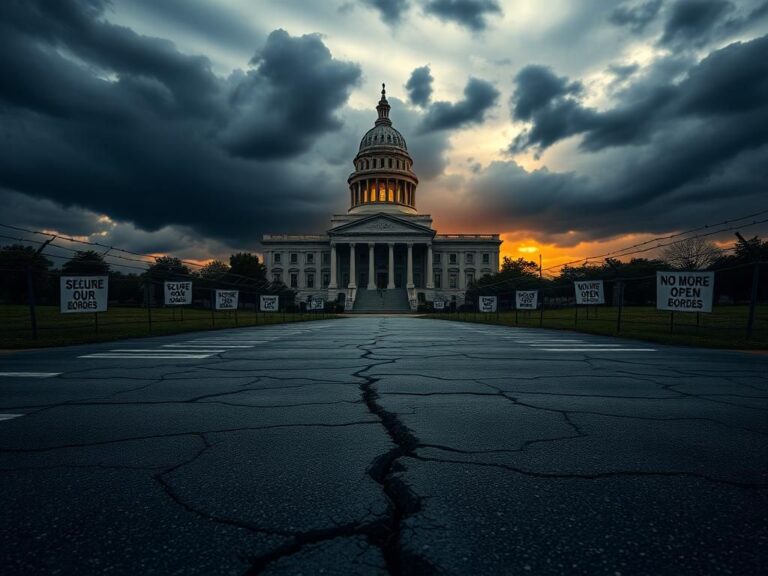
[{"x": 383, "y": 179}]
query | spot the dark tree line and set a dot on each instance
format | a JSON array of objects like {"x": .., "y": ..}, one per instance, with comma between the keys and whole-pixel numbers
[
  {"x": 733, "y": 274},
  {"x": 245, "y": 272}
]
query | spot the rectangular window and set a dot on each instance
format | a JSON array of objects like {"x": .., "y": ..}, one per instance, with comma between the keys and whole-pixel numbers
[
  {"x": 310, "y": 280},
  {"x": 470, "y": 278},
  {"x": 294, "y": 258},
  {"x": 326, "y": 279},
  {"x": 469, "y": 258},
  {"x": 326, "y": 258},
  {"x": 486, "y": 258},
  {"x": 453, "y": 282},
  {"x": 310, "y": 257},
  {"x": 276, "y": 258},
  {"x": 294, "y": 280},
  {"x": 438, "y": 280},
  {"x": 452, "y": 258},
  {"x": 437, "y": 256},
  {"x": 276, "y": 277}
]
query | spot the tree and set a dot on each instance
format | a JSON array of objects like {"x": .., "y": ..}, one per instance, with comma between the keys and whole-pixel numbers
[
  {"x": 85, "y": 262},
  {"x": 519, "y": 267},
  {"x": 214, "y": 270},
  {"x": 168, "y": 268},
  {"x": 14, "y": 260},
  {"x": 247, "y": 265},
  {"x": 691, "y": 254}
]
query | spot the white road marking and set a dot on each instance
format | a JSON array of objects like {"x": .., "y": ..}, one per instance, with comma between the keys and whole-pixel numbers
[
  {"x": 9, "y": 416},
  {"x": 30, "y": 374},
  {"x": 174, "y": 351},
  {"x": 545, "y": 341},
  {"x": 145, "y": 356},
  {"x": 597, "y": 349},
  {"x": 196, "y": 346},
  {"x": 579, "y": 345}
]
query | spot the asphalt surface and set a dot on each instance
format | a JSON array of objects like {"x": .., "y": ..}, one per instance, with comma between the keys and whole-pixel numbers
[{"x": 383, "y": 445}]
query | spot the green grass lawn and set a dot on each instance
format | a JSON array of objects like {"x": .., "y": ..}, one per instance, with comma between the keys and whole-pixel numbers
[
  {"x": 725, "y": 327},
  {"x": 56, "y": 329}
]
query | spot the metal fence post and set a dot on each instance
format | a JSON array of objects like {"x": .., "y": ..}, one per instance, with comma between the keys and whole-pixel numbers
[
  {"x": 621, "y": 306},
  {"x": 149, "y": 307},
  {"x": 31, "y": 301},
  {"x": 753, "y": 299}
]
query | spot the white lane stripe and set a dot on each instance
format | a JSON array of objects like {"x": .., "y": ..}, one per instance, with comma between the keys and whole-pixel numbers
[
  {"x": 9, "y": 416},
  {"x": 161, "y": 351},
  {"x": 29, "y": 374},
  {"x": 228, "y": 341},
  {"x": 597, "y": 349},
  {"x": 548, "y": 341},
  {"x": 145, "y": 356},
  {"x": 579, "y": 345},
  {"x": 201, "y": 346}
]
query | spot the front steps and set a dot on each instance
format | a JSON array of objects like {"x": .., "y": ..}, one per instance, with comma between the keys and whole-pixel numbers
[{"x": 392, "y": 301}]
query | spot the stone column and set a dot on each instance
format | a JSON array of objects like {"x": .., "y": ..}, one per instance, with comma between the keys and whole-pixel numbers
[
  {"x": 371, "y": 267},
  {"x": 445, "y": 282},
  {"x": 332, "y": 284},
  {"x": 352, "y": 279},
  {"x": 430, "y": 275},
  {"x": 391, "y": 272},
  {"x": 410, "y": 265}
]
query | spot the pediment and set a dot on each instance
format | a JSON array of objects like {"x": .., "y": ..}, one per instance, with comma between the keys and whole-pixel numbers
[{"x": 381, "y": 224}]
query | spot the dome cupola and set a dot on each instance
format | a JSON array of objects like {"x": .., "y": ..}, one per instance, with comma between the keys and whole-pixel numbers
[{"x": 383, "y": 180}]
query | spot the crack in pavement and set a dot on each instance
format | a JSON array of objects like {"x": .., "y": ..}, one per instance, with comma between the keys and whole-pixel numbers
[{"x": 385, "y": 532}]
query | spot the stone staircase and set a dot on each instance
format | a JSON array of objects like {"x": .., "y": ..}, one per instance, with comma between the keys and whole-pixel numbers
[{"x": 395, "y": 300}]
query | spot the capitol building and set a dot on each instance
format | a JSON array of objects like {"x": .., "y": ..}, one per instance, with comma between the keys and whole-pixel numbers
[{"x": 382, "y": 255}]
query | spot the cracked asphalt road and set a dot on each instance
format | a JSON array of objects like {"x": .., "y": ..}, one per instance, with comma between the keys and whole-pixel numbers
[{"x": 384, "y": 445}]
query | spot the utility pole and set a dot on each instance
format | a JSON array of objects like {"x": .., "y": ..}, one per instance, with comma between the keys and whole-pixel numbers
[{"x": 31, "y": 289}]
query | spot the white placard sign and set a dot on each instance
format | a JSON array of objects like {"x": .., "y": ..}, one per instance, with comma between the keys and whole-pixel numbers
[
  {"x": 316, "y": 304},
  {"x": 269, "y": 303},
  {"x": 439, "y": 305},
  {"x": 526, "y": 299},
  {"x": 589, "y": 292},
  {"x": 685, "y": 291},
  {"x": 487, "y": 304},
  {"x": 227, "y": 299},
  {"x": 84, "y": 294},
  {"x": 178, "y": 293}
]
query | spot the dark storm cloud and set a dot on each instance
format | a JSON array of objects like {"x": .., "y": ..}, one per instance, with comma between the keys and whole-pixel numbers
[
  {"x": 470, "y": 14},
  {"x": 635, "y": 16},
  {"x": 95, "y": 116},
  {"x": 692, "y": 20},
  {"x": 694, "y": 23},
  {"x": 391, "y": 11},
  {"x": 537, "y": 87},
  {"x": 730, "y": 81},
  {"x": 289, "y": 99},
  {"x": 419, "y": 86},
  {"x": 479, "y": 97}
]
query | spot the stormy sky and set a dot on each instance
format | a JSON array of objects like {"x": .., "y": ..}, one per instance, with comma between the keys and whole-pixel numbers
[{"x": 192, "y": 127}]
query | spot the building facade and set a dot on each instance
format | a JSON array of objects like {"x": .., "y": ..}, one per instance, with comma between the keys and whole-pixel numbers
[{"x": 382, "y": 249}]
